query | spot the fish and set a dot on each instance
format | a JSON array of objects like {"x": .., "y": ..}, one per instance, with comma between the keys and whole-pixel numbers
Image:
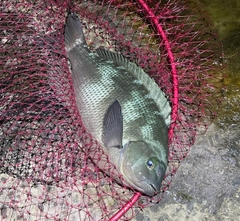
[{"x": 122, "y": 108}]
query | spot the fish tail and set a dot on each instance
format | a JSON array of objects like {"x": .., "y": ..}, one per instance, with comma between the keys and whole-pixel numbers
[{"x": 73, "y": 32}]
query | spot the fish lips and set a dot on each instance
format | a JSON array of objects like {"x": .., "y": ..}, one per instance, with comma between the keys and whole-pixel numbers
[{"x": 152, "y": 188}]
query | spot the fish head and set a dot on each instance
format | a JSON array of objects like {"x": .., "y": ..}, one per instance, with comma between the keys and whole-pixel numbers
[
  {"x": 142, "y": 163},
  {"x": 142, "y": 167}
]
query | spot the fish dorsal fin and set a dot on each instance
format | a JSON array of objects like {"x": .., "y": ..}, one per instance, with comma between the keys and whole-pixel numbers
[
  {"x": 113, "y": 126},
  {"x": 154, "y": 91}
]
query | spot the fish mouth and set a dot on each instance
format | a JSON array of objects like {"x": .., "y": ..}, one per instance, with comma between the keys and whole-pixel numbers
[
  {"x": 152, "y": 190},
  {"x": 147, "y": 188},
  {"x": 153, "y": 187}
]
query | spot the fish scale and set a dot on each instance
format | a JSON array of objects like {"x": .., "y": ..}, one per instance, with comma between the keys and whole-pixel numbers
[{"x": 123, "y": 109}]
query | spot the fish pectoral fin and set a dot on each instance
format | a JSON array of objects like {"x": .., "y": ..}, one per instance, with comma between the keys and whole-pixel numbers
[{"x": 113, "y": 126}]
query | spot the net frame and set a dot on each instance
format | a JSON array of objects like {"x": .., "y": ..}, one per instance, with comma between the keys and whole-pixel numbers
[{"x": 180, "y": 136}]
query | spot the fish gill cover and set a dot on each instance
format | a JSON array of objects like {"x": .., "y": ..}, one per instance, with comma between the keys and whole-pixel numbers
[{"x": 46, "y": 172}]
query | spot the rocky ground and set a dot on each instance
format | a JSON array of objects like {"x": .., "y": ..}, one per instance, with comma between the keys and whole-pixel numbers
[{"x": 207, "y": 184}]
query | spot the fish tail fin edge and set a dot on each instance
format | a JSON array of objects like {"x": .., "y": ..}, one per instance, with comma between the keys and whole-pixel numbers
[{"x": 73, "y": 31}]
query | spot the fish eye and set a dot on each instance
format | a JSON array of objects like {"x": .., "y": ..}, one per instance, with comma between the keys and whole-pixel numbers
[{"x": 150, "y": 164}]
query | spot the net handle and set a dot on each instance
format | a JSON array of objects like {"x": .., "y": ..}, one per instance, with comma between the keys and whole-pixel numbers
[{"x": 126, "y": 207}]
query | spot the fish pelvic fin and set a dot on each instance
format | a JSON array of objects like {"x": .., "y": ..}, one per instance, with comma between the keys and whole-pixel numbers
[{"x": 73, "y": 33}]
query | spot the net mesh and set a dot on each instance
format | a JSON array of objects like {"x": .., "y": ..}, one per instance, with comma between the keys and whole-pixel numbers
[{"x": 45, "y": 169}]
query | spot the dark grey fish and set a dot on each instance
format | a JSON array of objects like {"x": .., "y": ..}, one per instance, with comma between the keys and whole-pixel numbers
[{"x": 123, "y": 108}]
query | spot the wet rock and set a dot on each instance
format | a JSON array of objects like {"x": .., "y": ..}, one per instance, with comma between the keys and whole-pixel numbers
[{"x": 207, "y": 184}]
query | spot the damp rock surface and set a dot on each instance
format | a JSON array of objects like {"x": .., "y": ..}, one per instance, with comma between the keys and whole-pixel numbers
[{"x": 207, "y": 184}]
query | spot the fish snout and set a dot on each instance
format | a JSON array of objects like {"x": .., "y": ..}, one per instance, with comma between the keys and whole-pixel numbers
[{"x": 156, "y": 184}]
